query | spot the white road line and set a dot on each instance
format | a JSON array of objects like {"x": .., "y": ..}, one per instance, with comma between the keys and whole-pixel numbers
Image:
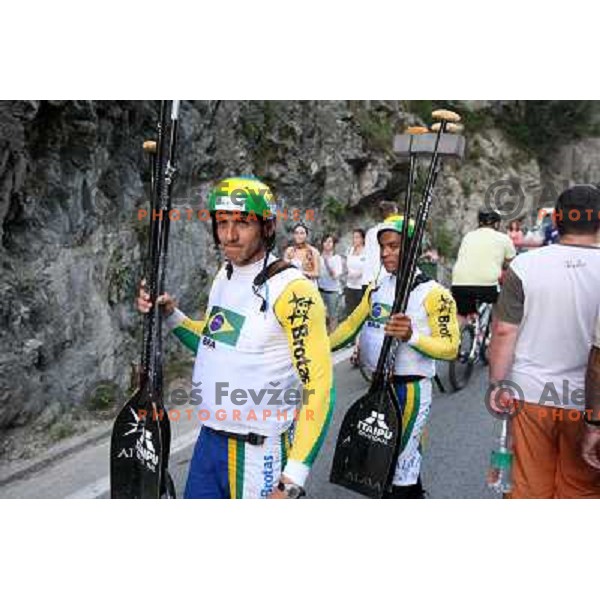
[{"x": 101, "y": 486}]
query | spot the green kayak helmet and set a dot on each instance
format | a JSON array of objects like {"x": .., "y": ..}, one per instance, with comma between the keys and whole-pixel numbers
[
  {"x": 244, "y": 195},
  {"x": 395, "y": 223}
]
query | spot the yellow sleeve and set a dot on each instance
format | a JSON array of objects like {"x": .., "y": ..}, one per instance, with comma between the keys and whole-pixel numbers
[
  {"x": 444, "y": 340},
  {"x": 187, "y": 331},
  {"x": 301, "y": 313},
  {"x": 346, "y": 332}
]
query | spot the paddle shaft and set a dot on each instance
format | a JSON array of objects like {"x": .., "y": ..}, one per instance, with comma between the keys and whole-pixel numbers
[
  {"x": 163, "y": 170},
  {"x": 407, "y": 264}
]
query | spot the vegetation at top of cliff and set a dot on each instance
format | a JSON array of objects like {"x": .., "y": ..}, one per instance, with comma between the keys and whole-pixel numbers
[
  {"x": 377, "y": 129},
  {"x": 376, "y": 122},
  {"x": 535, "y": 126},
  {"x": 264, "y": 127},
  {"x": 422, "y": 109},
  {"x": 540, "y": 125}
]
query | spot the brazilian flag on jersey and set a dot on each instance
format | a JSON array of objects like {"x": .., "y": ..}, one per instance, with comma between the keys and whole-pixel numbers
[
  {"x": 380, "y": 313},
  {"x": 224, "y": 325}
]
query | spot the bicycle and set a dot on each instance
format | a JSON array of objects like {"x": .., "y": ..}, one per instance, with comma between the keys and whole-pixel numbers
[
  {"x": 355, "y": 361},
  {"x": 475, "y": 338}
]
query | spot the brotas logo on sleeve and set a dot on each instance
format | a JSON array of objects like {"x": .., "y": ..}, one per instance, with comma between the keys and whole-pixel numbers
[
  {"x": 444, "y": 309},
  {"x": 301, "y": 306},
  {"x": 223, "y": 326}
]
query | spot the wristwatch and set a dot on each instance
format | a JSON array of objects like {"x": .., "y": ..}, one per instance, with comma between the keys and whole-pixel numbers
[{"x": 292, "y": 490}]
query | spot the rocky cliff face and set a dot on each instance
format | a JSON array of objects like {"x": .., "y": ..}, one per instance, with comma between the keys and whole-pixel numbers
[{"x": 73, "y": 177}]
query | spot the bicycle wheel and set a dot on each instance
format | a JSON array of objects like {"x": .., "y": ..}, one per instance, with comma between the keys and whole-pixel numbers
[
  {"x": 484, "y": 354},
  {"x": 461, "y": 368},
  {"x": 365, "y": 371},
  {"x": 356, "y": 361}
]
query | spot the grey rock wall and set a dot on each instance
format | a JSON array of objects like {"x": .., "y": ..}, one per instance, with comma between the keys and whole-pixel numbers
[{"x": 73, "y": 177}]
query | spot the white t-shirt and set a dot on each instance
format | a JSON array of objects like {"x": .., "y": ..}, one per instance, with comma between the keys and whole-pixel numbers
[
  {"x": 326, "y": 281},
  {"x": 372, "y": 256},
  {"x": 248, "y": 347},
  {"x": 597, "y": 337},
  {"x": 480, "y": 257},
  {"x": 356, "y": 266},
  {"x": 561, "y": 288}
]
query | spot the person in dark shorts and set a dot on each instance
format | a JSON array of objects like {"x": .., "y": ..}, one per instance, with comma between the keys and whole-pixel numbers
[
  {"x": 482, "y": 256},
  {"x": 467, "y": 297}
]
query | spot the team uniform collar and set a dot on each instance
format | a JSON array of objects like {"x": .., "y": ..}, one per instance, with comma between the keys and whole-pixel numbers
[{"x": 252, "y": 270}]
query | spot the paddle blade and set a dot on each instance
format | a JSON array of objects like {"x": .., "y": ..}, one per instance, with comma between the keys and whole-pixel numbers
[
  {"x": 368, "y": 443},
  {"x": 167, "y": 487},
  {"x": 136, "y": 449}
]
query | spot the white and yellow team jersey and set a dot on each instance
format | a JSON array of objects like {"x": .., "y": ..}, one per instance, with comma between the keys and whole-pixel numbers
[
  {"x": 432, "y": 312},
  {"x": 481, "y": 256},
  {"x": 260, "y": 372}
]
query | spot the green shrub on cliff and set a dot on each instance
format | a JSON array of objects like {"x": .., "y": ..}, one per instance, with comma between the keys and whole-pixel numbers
[{"x": 541, "y": 125}]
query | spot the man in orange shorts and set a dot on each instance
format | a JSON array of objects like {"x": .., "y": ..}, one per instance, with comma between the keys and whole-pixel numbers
[{"x": 541, "y": 337}]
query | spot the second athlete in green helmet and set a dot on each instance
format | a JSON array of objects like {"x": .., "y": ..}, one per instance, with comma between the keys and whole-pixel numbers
[{"x": 429, "y": 332}]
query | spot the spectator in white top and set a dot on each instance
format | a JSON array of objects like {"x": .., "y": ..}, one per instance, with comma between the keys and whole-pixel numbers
[
  {"x": 355, "y": 263},
  {"x": 372, "y": 268},
  {"x": 330, "y": 279},
  {"x": 541, "y": 339}
]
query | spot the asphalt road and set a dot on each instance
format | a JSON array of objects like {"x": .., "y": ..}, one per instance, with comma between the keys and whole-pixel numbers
[
  {"x": 460, "y": 438},
  {"x": 461, "y": 435}
]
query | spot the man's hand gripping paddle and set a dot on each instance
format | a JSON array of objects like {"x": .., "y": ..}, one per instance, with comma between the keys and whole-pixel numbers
[
  {"x": 141, "y": 436},
  {"x": 369, "y": 440}
]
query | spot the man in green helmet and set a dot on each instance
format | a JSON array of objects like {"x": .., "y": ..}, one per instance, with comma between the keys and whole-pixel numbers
[
  {"x": 263, "y": 372},
  {"x": 428, "y": 330}
]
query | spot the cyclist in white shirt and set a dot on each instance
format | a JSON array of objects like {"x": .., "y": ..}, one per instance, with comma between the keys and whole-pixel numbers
[{"x": 482, "y": 255}]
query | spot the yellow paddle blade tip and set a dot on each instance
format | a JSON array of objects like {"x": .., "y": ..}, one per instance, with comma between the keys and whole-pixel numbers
[
  {"x": 416, "y": 130},
  {"x": 150, "y": 147},
  {"x": 450, "y": 127},
  {"x": 445, "y": 115}
]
